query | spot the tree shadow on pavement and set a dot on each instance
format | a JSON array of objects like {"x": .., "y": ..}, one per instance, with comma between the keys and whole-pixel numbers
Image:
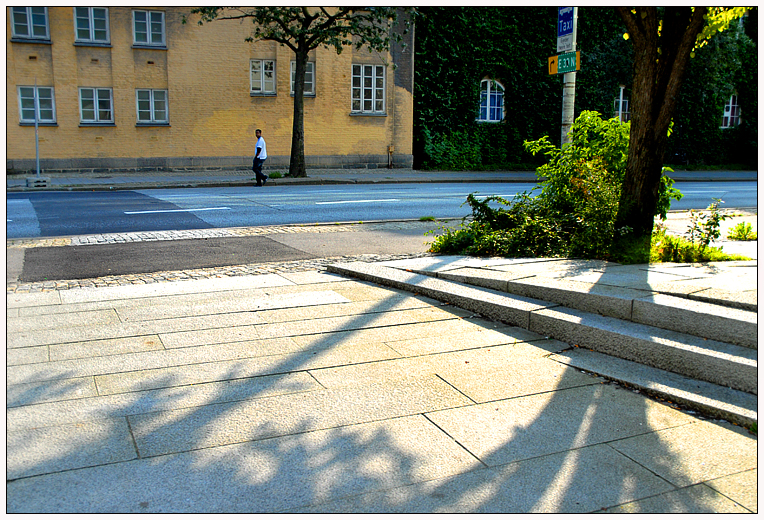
[{"x": 283, "y": 440}]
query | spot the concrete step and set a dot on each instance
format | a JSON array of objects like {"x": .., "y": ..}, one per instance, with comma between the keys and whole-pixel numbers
[
  {"x": 719, "y": 402},
  {"x": 706, "y": 320},
  {"x": 714, "y": 362}
]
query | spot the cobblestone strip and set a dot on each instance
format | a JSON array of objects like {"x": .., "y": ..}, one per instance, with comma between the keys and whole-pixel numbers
[
  {"x": 149, "y": 236},
  {"x": 318, "y": 264}
]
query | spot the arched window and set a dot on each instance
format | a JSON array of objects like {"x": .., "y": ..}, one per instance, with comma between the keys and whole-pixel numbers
[{"x": 491, "y": 101}]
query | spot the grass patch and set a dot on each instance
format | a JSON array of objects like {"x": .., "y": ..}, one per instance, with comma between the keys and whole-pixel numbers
[
  {"x": 669, "y": 248},
  {"x": 742, "y": 231}
]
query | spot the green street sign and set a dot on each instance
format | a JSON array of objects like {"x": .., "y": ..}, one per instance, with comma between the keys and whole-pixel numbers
[{"x": 568, "y": 62}]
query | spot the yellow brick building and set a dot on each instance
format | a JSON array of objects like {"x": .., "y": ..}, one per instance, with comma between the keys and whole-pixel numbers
[{"x": 133, "y": 88}]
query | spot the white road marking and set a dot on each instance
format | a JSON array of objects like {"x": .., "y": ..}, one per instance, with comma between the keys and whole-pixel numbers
[
  {"x": 359, "y": 201},
  {"x": 172, "y": 210}
]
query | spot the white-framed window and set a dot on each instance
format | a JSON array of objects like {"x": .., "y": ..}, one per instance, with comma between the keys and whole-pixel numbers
[
  {"x": 91, "y": 24},
  {"x": 262, "y": 76},
  {"x": 46, "y": 105},
  {"x": 148, "y": 28},
  {"x": 731, "y": 117},
  {"x": 96, "y": 105},
  {"x": 368, "y": 89},
  {"x": 30, "y": 23},
  {"x": 625, "y": 114},
  {"x": 491, "y": 101},
  {"x": 152, "y": 106},
  {"x": 310, "y": 78}
]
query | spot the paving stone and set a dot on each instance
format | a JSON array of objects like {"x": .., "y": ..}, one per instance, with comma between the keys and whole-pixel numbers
[
  {"x": 525, "y": 427},
  {"x": 62, "y": 321},
  {"x": 694, "y": 499},
  {"x": 59, "y": 390},
  {"x": 171, "y": 288},
  {"x": 224, "y": 305},
  {"x": 692, "y": 453},
  {"x": 266, "y": 476},
  {"x": 741, "y": 487},
  {"x": 473, "y": 339},
  {"x": 387, "y": 334},
  {"x": 170, "y": 399},
  {"x": 396, "y": 303},
  {"x": 146, "y": 360},
  {"x": 569, "y": 482},
  {"x": 124, "y": 330},
  {"x": 60, "y": 448},
  {"x": 32, "y": 299},
  {"x": 197, "y": 373},
  {"x": 220, "y": 424},
  {"x": 24, "y": 356},
  {"x": 482, "y": 374},
  {"x": 106, "y": 347}
]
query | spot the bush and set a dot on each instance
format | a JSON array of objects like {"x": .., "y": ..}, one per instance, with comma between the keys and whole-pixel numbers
[
  {"x": 574, "y": 213},
  {"x": 742, "y": 231}
]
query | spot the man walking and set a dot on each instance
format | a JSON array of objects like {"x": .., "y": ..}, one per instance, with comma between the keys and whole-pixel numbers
[{"x": 260, "y": 155}]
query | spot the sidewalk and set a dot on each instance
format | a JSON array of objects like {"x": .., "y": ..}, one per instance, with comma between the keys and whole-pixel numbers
[
  {"x": 146, "y": 180},
  {"x": 312, "y": 392}
]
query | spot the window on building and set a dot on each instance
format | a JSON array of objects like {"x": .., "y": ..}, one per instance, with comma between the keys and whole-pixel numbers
[
  {"x": 368, "y": 92},
  {"x": 262, "y": 76},
  {"x": 30, "y": 23},
  {"x": 731, "y": 117},
  {"x": 310, "y": 78},
  {"x": 46, "y": 106},
  {"x": 152, "y": 106},
  {"x": 625, "y": 115},
  {"x": 148, "y": 28},
  {"x": 491, "y": 101},
  {"x": 91, "y": 24},
  {"x": 96, "y": 105}
]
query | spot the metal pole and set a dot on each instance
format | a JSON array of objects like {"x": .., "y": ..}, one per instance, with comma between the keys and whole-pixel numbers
[
  {"x": 36, "y": 132},
  {"x": 569, "y": 91},
  {"x": 620, "y": 105}
]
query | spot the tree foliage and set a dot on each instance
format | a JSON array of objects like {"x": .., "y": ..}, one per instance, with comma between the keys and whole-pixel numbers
[
  {"x": 457, "y": 47},
  {"x": 303, "y": 29}
]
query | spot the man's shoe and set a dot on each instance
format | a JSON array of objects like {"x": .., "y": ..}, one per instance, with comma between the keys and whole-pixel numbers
[{"x": 265, "y": 179}]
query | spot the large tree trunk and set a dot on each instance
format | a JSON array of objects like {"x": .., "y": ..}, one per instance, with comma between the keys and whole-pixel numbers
[
  {"x": 660, "y": 61},
  {"x": 297, "y": 157}
]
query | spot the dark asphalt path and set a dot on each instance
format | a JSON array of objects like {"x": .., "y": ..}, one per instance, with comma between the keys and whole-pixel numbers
[{"x": 39, "y": 264}]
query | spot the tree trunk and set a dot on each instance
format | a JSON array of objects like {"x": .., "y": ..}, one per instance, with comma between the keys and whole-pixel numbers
[
  {"x": 661, "y": 55},
  {"x": 297, "y": 157}
]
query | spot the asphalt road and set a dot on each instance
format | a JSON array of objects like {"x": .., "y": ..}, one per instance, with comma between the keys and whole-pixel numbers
[{"x": 50, "y": 214}]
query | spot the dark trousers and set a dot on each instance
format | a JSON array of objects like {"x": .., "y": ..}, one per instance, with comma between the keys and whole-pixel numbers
[{"x": 257, "y": 167}]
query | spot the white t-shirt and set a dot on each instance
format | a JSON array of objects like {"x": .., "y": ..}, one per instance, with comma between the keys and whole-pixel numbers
[{"x": 261, "y": 144}]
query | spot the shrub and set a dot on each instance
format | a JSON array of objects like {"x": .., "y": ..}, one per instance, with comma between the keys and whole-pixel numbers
[
  {"x": 742, "y": 231},
  {"x": 574, "y": 212}
]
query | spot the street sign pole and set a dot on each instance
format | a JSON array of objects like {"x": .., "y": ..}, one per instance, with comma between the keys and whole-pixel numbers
[
  {"x": 36, "y": 131},
  {"x": 567, "y": 25}
]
